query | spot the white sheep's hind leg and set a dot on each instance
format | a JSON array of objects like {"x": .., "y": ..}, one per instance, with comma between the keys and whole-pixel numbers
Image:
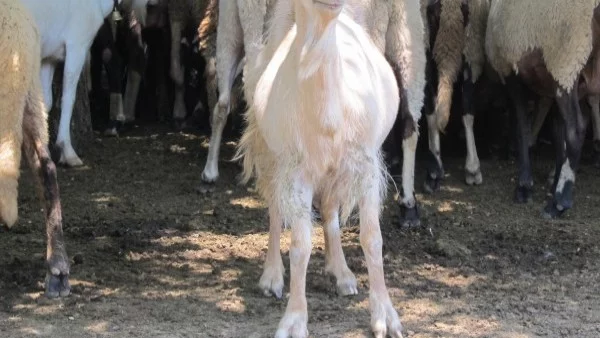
[
  {"x": 472, "y": 165},
  {"x": 335, "y": 262},
  {"x": 294, "y": 321},
  {"x": 384, "y": 318},
  {"x": 73, "y": 66},
  {"x": 271, "y": 281},
  {"x": 46, "y": 75},
  {"x": 229, "y": 56},
  {"x": 409, "y": 208},
  {"x": 435, "y": 168},
  {"x": 594, "y": 102}
]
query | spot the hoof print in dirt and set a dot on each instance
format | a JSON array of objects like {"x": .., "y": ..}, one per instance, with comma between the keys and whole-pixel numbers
[
  {"x": 57, "y": 285},
  {"x": 523, "y": 194}
]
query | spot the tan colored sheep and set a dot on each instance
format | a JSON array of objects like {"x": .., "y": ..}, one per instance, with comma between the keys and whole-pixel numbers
[{"x": 24, "y": 124}]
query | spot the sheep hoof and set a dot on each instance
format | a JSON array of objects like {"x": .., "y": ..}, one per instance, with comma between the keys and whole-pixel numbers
[
  {"x": 432, "y": 184},
  {"x": 385, "y": 320},
  {"x": 293, "y": 324},
  {"x": 473, "y": 178},
  {"x": 271, "y": 281},
  {"x": 552, "y": 211},
  {"x": 409, "y": 217},
  {"x": 178, "y": 124},
  {"x": 70, "y": 162},
  {"x": 345, "y": 281},
  {"x": 523, "y": 194},
  {"x": 208, "y": 176},
  {"x": 57, "y": 277},
  {"x": 597, "y": 153}
]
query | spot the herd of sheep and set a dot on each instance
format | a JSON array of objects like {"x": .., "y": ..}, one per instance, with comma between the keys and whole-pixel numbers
[{"x": 325, "y": 82}]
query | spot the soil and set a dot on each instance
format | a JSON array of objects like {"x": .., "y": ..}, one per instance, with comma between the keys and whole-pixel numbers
[{"x": 156, "y": 254}]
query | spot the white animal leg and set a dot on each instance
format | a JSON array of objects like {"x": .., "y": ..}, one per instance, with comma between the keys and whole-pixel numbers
[
  {"x": 472, "y": 166},
  {"x": 177, "y": 71},
  {"x": 408, "y": 202},
  {"x": 294, "y": 321},
  {"x": 229, "y": 55},
  {"x": 47, "y": 74},
  {"x": 335, "y": 262},
  {"x": 384, "y": 318},
  {"x": 131, "y": 93},
  {"x": 73, "y": 65},
  {"x": 435, "y": 171},
  {"x": 271, "y": 281}
]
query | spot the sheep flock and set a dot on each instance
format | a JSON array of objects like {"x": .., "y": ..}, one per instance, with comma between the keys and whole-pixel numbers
[{"x": 330, "y": 100}]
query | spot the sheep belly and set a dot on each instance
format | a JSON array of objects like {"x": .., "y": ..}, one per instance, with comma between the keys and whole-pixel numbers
[{"x": 351, "y": 101}]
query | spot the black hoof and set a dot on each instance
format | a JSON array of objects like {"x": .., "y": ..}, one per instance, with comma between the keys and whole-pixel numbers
[
  {"x": 57, "y": 285},
  {"x": 409, "y": 217},
  {"x": 552, "y": 211},
  {"x": 432, "y": 184},
  {"x": 178, "y": 124},
  {"x": 523, "y": 194}
]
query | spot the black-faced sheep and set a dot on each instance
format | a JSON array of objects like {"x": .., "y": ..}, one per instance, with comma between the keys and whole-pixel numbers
[
  {"x": 24, "y": 126},
  {"x": 553, "y": 48}
]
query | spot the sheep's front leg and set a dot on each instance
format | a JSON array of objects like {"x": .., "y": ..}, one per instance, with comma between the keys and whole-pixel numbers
[
  {"x": 271, "y": 281},
  {"x": 36, "y": 151},
  {"x": 594, "y": 102},
  {"x": 177, "y": 71},
  {"x": 230, "y": 50},
  {"x": 575, "y": 126},
  {"x": 294, "y": 321},
  {"x": 516, "y": 90},
  {"x": 73, "y": 65},
  {"x": 408, "y": 203},
  {"x": 384, "y": 318},
  {"x": 335, "y": 262},
  {"x": 472, "y": 165},
  {"x": 435, "y": 168}
]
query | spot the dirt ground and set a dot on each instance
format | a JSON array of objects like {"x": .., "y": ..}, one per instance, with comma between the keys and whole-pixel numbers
[{"x": 156, "y": 254}]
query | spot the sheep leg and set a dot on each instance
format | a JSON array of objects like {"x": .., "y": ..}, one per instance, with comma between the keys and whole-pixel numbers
[
  {"x": 409, "y": 212},
  {"x": 594, "y": 102},
  {"x": 229, "y": 53},
  {"x": 135, "y": 68},
  {"x": 384, "y": 318},
  {"x": 177, "y": 71},
  {"x": 46, "y": 75},
  {"x": 575, "y": 126},
  {"x": 516, "y": 90},
  {"x": 335, "y": 262},
  {"x": 113, "y": 65},
  {"x": 558, "y": 129},
  {"x": 73, "y": 65},
  {"x": 435, "y": 167},
  {"x": 542, "y": 108},
  {"x": 271, "y": 281},
  {"x": 35, "y": 145},
  {"x": 210, "y": 75},
  {"x": 295, "y": 319},
  {"x": 472, "y": 165}
]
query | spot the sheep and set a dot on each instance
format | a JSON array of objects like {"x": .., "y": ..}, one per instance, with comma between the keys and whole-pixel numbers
[
  {"x": 557, "y": 58},
  {"x": 241, "y": 26},
  {"x": 68, "y": 29},
  {"x": 324, "y": 99},
  {"x": 183, "y": 13},
  {"x": 457, "y": 32},
  {"x": 24, "y": 127}
]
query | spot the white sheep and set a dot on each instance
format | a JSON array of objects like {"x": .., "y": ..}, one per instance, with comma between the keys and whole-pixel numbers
[
  {"x": 24, "y": 126},
  {"x": 241, "y": 27},
  {"x": 321, "y": 109},
  {"x": 68, "y": 28},
  {"x": 551, "y": 47},
  {"x": 457, "y": 32}
]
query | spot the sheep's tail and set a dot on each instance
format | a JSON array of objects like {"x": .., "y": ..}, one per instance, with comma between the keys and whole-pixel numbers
[{"x": 443, "y": 102}]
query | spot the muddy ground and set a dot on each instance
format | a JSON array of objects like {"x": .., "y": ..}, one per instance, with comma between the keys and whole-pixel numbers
[{"x": 155, "y": 254}]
